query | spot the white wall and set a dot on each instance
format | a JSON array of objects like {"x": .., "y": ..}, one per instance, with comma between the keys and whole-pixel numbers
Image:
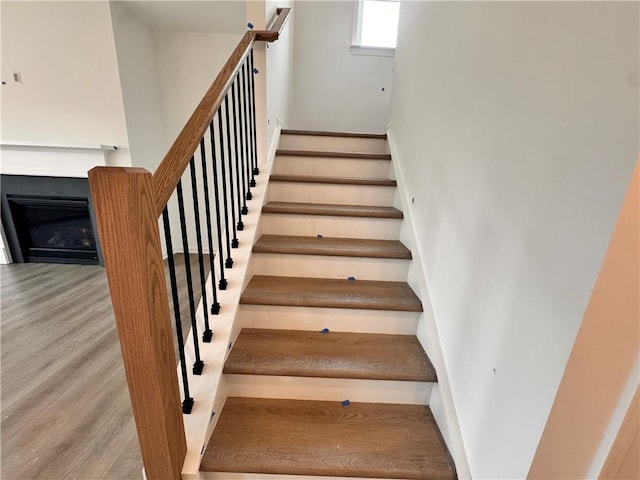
[
  {"x": 334, "y": 89},
  {"x": 187, "y": 63},
  {"x": 213, "y": 16},
  {"x": 280, "y": 79},
  {"x": 70, "y": 92},
  {"x": 516, "y": 126},
  {"x": 138, "y": 78}
]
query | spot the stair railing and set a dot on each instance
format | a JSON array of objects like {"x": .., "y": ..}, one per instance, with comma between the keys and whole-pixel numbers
[{"x": 218, "y": 146}]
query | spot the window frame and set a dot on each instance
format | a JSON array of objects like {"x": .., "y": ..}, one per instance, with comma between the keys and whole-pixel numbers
[{"x": 356, "y": 47}]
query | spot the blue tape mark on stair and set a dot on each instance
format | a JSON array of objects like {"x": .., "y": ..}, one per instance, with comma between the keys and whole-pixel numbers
[
  {"x": 346, "y": 403},
  {"x": 250, "y": 25},
  {"x": 320, "y": 235},
  {"x": 324, "y": 331},
  {"x": 230, "y": 343},
  {"x": 351, "y": 279},
  {"x": 202, "y": 451},
  {"x": 213, "y": 414},
  {"x": 255, "y": 70}
]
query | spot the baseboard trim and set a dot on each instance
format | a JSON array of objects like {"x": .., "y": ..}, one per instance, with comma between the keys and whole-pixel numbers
[{"x": 441, "y": 401}]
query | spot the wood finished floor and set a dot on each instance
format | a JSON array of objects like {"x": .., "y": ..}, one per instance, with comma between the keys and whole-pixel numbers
[
  {"x": 301, "y": 437},
  {"x": 65, "y": 406},
  {"x": 298, "y": 353}
]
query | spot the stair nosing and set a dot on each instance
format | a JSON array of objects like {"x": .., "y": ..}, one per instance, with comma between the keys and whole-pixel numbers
[
  {"x": 373, "y": 182},
  {"x": 402, "y": 253},
  {"x": 327, "y": 209},
  {"x": 317, "y": 133},
  {"x": 332, "y": 367},
  {"x": 405, "y": 299},
  {"x": 271, "y": 436},
  {"x": 324, "y": 154}
]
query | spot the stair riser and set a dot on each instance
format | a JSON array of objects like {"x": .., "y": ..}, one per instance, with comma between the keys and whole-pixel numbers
[
  {"x": 332, "y": 144},
  {"x": 331, "y": 193},
  {"x": 335, "y": 319},
  {"x": 338, "y": 167},
  {"x": 330, "y": 389},
  {"x": 319, "y": 266},
  {"x": 331, "y": 226}
]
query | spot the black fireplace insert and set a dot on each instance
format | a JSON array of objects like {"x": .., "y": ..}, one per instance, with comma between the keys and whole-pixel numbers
[{"x": 49, "y": 219}]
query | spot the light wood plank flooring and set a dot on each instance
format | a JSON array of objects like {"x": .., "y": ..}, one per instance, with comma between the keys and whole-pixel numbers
[{"x": 65, "y": 406}]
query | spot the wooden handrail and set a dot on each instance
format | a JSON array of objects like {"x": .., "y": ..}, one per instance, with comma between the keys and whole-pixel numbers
[
  {"x": 271, "y": 35},
  {"x": 170, "y": 170}
]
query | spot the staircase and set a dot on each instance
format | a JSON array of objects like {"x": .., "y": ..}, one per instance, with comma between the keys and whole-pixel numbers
[{"x": 327, "y": 377}]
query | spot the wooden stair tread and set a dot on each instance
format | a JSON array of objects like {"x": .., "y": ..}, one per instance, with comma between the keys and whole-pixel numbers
[
  {"x": 298, "y": 353},
  {"x": 377, "y": 182},
  {"x": 314, "y": 133},
  {"x": 301, "y": 437},
  {"x": 330, "y": 293},
  {"x": 331, "y": 246},
  {"x": 322, "y": 154},
  {"x": 370, "y": 211}
]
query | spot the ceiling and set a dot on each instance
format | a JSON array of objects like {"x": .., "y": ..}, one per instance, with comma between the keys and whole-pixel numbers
[{"x": 191, "y": 15}]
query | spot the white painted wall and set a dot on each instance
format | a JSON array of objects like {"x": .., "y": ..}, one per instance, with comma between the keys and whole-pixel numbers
[
  {"x": 334, "y": 89},
  {"x": 139, "y": 81},
  {"x": 516, "y": 127},
  {"x": 70, "y": 92},
  {"x": 280, "y": 79},
  {"x": 213, "y": 16},
  {"x": 187, "y": 63}
]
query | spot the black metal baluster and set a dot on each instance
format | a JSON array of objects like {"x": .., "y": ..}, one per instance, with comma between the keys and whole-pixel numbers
[
  {"x": 199, "y": 364},
  {"x": 236, "y": 134},
  {"x": 247, "y": 167},
  {"x": 229, "y": 261},
  {"x": 207, "y": 334},
  {"x": 254, "y": 71},
  {"x": 241, "y": 169},
  {"x": 223, "y": 281},
  {"x": 215, "y": 306},
  {"x": 234, "y": 241},
  {"x": 187, "y": 403}
]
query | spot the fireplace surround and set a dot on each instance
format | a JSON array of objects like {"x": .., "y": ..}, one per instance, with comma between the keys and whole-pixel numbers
[{"x": 49, "y": 219}]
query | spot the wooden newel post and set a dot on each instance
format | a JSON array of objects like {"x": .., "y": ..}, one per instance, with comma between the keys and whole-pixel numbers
[{"x": 128, "y": 227}]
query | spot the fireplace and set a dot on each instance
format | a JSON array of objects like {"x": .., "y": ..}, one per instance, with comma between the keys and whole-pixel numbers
[{"x": 49, "y": 219}]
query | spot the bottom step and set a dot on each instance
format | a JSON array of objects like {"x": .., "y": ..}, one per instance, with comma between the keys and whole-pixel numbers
[{"x": 298, "y": 437}]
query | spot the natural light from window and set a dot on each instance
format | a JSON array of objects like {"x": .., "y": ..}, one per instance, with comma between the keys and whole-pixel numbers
[{"x": 379, "y": 27}]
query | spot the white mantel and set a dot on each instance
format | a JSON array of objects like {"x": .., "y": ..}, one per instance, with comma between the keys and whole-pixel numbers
[{"x": 31, "y": 158}]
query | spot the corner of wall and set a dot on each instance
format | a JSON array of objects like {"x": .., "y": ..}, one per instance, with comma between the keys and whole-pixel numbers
[
  {"x": 274, "y": 140},
  {"x": 441, "y": 402}
]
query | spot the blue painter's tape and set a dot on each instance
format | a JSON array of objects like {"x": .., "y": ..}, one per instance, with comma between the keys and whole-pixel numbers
[
  {"x": 250, "y": 25},
  {"x": 324, "y": 331},
  {"x": 351, "y": 279},
  {"x": 255, "y": 70},
  {"x": 320, "y": 235},
  {"x": 213, "y": 414},
  {"x": 202, "y": 451},
  {"x": 346, "y": 403},
  {"x": 230, "y": 343}
]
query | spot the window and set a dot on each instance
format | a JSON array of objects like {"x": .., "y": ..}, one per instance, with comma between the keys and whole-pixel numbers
[{"x": 375, "y": 27}]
